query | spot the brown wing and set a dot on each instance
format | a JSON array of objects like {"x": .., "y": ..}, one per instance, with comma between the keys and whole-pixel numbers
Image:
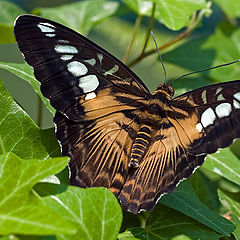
[
  {"x": 196, "y": 123},
  {"x": 166, "y": 162},
  {"x": 99, "y": 145}
]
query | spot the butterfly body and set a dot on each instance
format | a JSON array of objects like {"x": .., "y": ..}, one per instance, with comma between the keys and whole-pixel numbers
[{"x": 118, "y": 135}]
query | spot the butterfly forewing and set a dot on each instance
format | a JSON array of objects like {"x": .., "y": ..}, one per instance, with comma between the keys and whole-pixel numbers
[
  {"x": 218, "y": 110},
  {"x": 117, "y": 134},
  {"x": 71, "y": 68}
]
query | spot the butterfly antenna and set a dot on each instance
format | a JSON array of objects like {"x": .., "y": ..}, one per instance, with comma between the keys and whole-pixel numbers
[
  {"x": 165, "y": 73},
  {"x": 205, "y": 69}
]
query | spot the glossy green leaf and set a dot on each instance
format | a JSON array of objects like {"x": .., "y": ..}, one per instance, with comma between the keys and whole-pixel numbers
[
  {"x": 22, "y": 211},
  {"x": 230, "y": 7},
  {"x": 224, "y": 163},
  {"x": 8, "y": 14},
  {"x": 9, "y": 237},
  {"x": 82, "y": 15},
  {"x": 25, "y": 72},
  {"x": 176, "y": 14},
  {"x": 234, "y": 207},
  {"x": 185, "y": 200},
  {"x": 95, "y": 212},
  {"x": 220, "y": 48},
  {"x": 19, "y": 134},
  {"x": 166, "y": 224},
  {"x": 127, "y": 235},
  {"x": 207, "y": 193},
  {"x": 141, "y": 7}
]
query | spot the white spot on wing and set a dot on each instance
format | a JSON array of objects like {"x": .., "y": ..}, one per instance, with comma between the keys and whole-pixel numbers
[
  {"x": 50, "y": 34},
  {"x": 112, "y": 70},
  {"x": 100, "y": 57},
  {"x": 63, "y": 41},
  {"x": 237, "y": 96},
  {"x": 208, "y": 117},
  {"x": 236, "y": 104},
  {"x": 90, "y": 96},
  {"x": 220, "y": 97},
  {"x": 66, "y": 57},
  {"x": 65, "y": 49},
  {"x": 91, "y": 61},
  {"x": 89, "y": 83},
  {"x": 46, "y": 27},
  {"x": 223, "y": 110},
  {"x": 218, "y": 90},
  {"x": 204, "y": 96},
  {"x": 199, "y": 127},
  {"x": 77, "y": 69}
]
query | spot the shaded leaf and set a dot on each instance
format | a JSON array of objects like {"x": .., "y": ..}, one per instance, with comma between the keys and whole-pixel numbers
[
  {"x": 95, "y": 212},
  {"x": 25, "y": 72},
  {"x": 234, "y": 207},
  {"x": 127, "y": 235},
  {"x": 207, "y": 193},
  {"x": 21, "y": 211},
  {"x": 230, "y": 7},
  {"x": 80, "y": 16},
  {"x": 141, "y": 7},
  {"x": 220, "y": 48},
  {"x": 165, "y": 224},
  {"x": 8, "y": 14},
  {"x": 19, "y": 134},
  {"x": 224, "y": 163},
  {"x": 185, "y": 200}
]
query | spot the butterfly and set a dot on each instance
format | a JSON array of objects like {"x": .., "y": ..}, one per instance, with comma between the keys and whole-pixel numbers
[{"x": 117, "y": 134}]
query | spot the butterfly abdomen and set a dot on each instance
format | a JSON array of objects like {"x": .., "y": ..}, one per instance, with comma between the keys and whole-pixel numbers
[{"x": 140, "y": 145}]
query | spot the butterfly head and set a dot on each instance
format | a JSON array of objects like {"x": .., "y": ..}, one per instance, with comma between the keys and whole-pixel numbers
[{"x": 166, "y": 88}]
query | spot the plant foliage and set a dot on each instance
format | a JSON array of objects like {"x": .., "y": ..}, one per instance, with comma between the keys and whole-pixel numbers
[{"x": 35, "y": 199}]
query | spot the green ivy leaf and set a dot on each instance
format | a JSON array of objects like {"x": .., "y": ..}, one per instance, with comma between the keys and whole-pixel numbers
[
  {"x": 25, "y": 72},
  {"x": 166, "y": 224},
  {"x": 22, "y": 211},
  {"x": 95, "y": 212},
  {"x": 141, "y": 7},
  {"x": 230, "y": 7},
  {"x": 185, "y": 200},
  {"x": 9, "y": 237},
  {"x": 207, "y": 193},
  {"x": 175, "y": 14},
  {"x": 8, "y": 14},
  {"x": 234, "y": 207},
  {"x": 127, "y": 235},
  {"x": 80, "y": 16},
  {"x": 19, "y": 134},
  {"x": 224, "y": 163}
]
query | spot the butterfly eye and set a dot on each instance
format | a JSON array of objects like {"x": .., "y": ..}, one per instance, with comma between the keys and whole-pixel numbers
[{"x": 167, "y": 88}]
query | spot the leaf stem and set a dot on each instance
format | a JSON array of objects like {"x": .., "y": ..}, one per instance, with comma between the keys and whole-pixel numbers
[
  {"x": 143, "y": 217},
  {"x": 136, "y": 28},
  {"x": 150, "y": 26},
  {"x": 193, "y": 24}
]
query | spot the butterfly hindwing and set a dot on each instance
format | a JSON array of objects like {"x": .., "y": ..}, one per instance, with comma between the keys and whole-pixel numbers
[{"x": 218, "y": 110}]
